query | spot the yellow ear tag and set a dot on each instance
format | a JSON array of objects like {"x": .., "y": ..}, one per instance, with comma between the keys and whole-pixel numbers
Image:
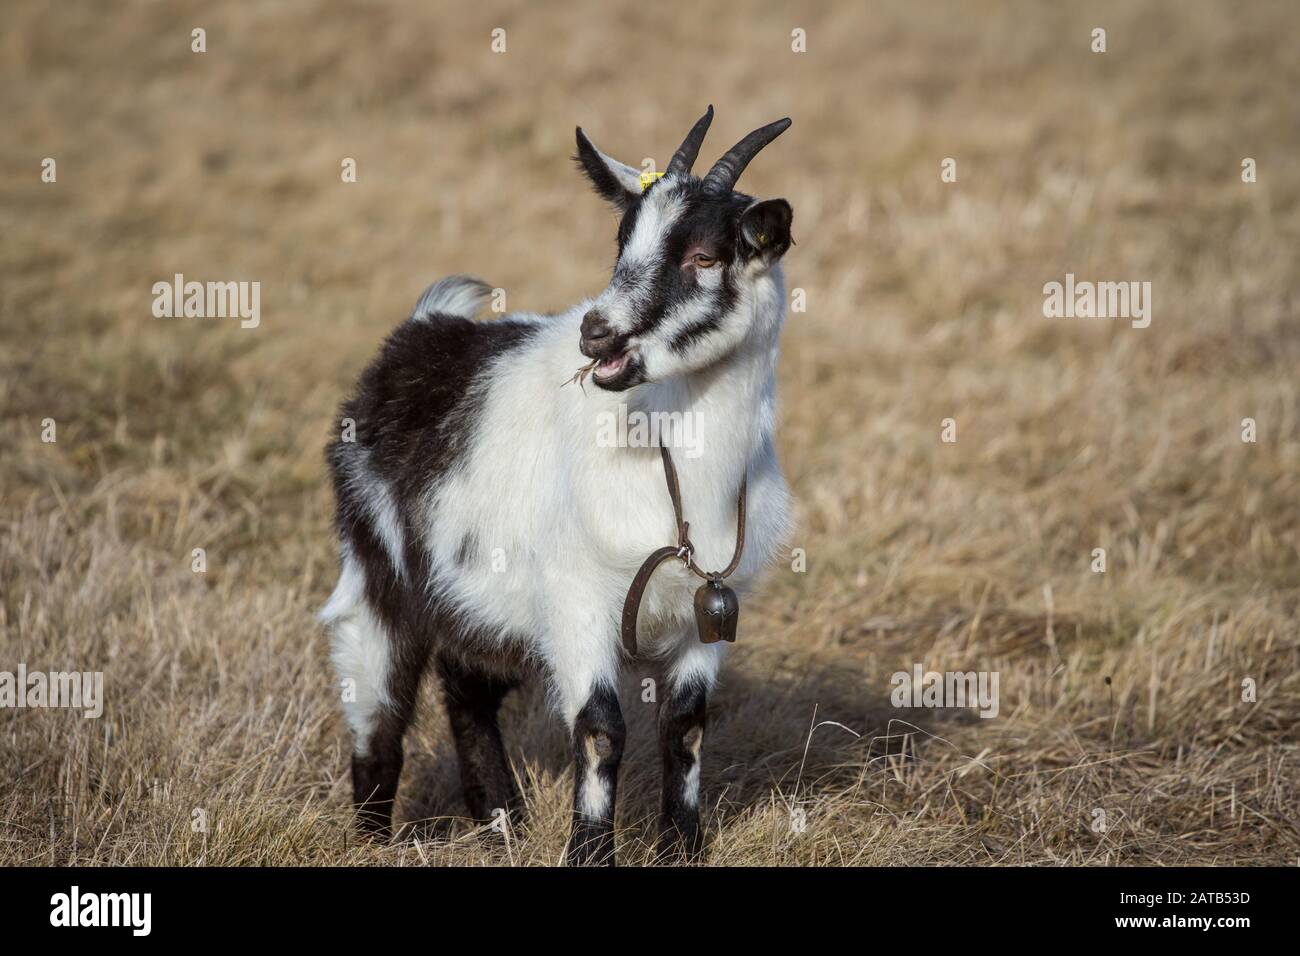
[
  {"x": 762, "y": 238},
  {"x": 648, "y": 178}
]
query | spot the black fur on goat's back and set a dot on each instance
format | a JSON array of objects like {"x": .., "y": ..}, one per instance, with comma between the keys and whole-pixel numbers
[{"x": 416, "y": 405}]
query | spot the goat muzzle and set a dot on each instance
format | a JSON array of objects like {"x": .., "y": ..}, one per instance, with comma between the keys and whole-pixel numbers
[{"x": 598, "y": 339}]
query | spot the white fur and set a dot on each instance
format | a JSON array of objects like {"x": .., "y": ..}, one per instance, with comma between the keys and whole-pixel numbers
[
  {"x": 359, "y": 651},
  {"x": 377, "y": 497},
  {"x": 593, "y": 791},
  {"x": 574, "y": 520},
  {"x": 691, "y": 785},
  {"x": 347, "y": 592},
  {"x": 659, "y": 212},
  {"x": 453, "y": 295},
  {"x": 383, "y": 512}
]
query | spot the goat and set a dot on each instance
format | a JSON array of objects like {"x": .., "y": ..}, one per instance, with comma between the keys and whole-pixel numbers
[{"x": 482, "y": 525}]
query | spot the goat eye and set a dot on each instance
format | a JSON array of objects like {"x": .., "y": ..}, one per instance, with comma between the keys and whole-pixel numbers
[{"x": 702, "y": 261}]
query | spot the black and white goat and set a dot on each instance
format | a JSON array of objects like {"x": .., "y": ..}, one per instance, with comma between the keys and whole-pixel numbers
[{"x": 482, "y": 524}]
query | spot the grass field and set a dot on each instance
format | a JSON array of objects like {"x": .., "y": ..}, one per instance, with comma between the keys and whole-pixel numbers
[{"x": 1120, "y": 692}]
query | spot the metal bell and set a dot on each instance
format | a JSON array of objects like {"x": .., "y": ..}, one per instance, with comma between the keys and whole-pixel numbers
[{"x": 717, "y": 610}]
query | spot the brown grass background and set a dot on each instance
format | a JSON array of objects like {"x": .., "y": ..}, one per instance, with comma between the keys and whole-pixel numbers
[{"x": 924, "y": 302}]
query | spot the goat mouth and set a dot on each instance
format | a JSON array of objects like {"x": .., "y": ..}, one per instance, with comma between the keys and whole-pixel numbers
[
  {"x": 618, "y": 372},
  {"x": 611, "y": 368}
]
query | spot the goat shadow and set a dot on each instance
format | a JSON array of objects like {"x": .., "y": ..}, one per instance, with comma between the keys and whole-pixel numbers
[{"x": 786, "y": 736}]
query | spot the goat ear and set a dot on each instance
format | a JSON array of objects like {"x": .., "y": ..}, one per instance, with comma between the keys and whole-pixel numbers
[
  {"x": 765, "y": 229},
  {"x": 619, "y": 184}
]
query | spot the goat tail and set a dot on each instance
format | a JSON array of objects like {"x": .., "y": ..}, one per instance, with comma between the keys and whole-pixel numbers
[{"x": 459, "y": 295}]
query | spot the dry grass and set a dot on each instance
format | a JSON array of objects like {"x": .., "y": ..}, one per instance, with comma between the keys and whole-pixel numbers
[{"x": 924, "y": 303}]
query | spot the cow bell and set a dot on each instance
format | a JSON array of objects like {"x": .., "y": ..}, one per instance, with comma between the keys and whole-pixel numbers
[{"x": 717, "y": 610}]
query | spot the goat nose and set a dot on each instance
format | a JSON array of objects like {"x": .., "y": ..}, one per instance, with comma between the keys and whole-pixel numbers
[{"x": 594, "y": 327}]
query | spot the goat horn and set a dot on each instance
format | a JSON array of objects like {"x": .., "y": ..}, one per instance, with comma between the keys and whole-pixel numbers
[
  {"x": 722, "y": 177},
  {"x": 684, "y": 158}
]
